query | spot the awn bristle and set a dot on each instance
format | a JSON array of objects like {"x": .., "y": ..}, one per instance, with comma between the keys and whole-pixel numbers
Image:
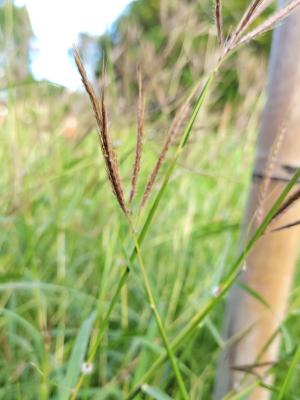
[
  {"x": 110, "y": 157},
  {"x": 219, "y": 21},
  {"x": 287, "y": 226},
  {"x": 140, "y": 137},
  {"x": 287, "y": 205},
  {"x": 270, "y": 22}
]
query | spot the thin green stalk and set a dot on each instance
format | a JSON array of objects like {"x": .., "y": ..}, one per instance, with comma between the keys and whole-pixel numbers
[
  {"x": 286, "y": 383},
  {"x": 223, "y": 288},
  {"x": 275, "y": 390},
  {"x": 157, "y": 317},
  {"x": 105, "y": 321},
  {"x": 104, "y": 325},
  {"x": 243, "y": 392}
]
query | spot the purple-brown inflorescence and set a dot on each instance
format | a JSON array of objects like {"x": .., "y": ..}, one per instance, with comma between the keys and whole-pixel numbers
[
  {"x": 110, "y": 157},
  {"x": 175, "y": 126},
  {"x": 255, "y": 8},
  {"x": 219, "y": 21},
  {"x": 237, "y": 38},
  {"x": 249, "y": 15},
  {"x": 270, "y": 22},
  {"x": 140, "y": 137}
]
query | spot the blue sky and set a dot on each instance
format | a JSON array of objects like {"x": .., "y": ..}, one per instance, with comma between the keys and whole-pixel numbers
[{"x": 56, "y": 24}]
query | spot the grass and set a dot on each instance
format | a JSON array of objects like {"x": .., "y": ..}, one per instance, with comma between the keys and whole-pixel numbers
[
  {"x": 66, "y": 296},
  {"x": 62, "y": 259}
]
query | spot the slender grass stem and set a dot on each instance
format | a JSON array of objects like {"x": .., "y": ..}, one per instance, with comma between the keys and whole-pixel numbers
[
  {"x": 105, "y": 321},
  {"x": 104, "y": 325},
  {"x": 245, "y": 391},
  {"x": 157, "y": 317},
  {"x": 284, "y": 388}
]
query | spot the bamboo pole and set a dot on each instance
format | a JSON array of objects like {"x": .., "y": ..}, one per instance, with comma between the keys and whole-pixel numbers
[{"x": 270, "y": 267}]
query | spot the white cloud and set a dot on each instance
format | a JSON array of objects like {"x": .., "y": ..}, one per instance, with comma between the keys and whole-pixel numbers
[{"x": 56, "y": 24}]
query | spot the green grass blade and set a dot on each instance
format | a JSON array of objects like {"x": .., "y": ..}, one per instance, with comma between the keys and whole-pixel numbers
[
  {"x": 104, "y": 324},
  {"x": 284, "y": 388},
  {"x": 105, "y": 321},
  {"x": 155, "y": 393},
  {"x": 160, "y": 325},
  {"x": 253, "y": 293},
  {"x": 77, "y": 358},
  {"x": 33, "y": 332},
  {"x": 243, "y": 393}
]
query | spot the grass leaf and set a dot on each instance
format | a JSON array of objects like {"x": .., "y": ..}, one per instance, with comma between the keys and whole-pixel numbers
[
  {"x": 254, "y": 294},
  {"x": 77, "y": 358},
  {"x": 155, "y": 393},
  {"x": 284, "y": 388}
]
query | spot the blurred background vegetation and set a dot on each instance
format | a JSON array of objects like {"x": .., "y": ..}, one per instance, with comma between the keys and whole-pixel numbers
[{"x": 62, "y": 237}]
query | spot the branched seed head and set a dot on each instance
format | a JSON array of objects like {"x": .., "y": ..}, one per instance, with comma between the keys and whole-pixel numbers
[
  {"x": 237, "y": 38},
  {"x": 140, "y": 138},
  {"x": 110, "y": 157},
  {"x": 175, "y": 126},
  {"x": 219, "y": 21}
]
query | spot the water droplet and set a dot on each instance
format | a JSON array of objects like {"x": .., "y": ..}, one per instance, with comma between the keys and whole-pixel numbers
[
  {"x": 87, "y": 368},
  {"x": 216, "y": 291}
]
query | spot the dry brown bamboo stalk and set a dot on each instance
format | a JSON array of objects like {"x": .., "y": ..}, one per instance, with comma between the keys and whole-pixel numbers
[{"x": 270, "y": 266}]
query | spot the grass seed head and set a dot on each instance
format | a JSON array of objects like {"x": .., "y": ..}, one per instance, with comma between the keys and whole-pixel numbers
[{"x": 110, "y": 157}]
